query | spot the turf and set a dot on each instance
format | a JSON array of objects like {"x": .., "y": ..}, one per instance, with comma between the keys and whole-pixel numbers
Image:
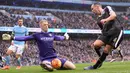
[{"x": 115, "y": 67}]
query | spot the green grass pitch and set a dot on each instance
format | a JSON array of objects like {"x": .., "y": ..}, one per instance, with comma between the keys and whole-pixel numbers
[{"x": 115, "y": 67}]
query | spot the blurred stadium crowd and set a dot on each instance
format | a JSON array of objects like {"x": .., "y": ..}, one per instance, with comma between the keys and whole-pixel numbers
[{"x": 76, "y": 50}]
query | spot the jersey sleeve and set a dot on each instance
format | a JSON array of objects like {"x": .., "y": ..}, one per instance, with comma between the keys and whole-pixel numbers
[
  {"x": 24, "y": 38},
  {"x": 109, "y": 9},
  {"x": 58, "y": 38}
]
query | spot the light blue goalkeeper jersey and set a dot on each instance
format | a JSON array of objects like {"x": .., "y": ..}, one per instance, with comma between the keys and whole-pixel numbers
[{"x": 19, "y": 31}]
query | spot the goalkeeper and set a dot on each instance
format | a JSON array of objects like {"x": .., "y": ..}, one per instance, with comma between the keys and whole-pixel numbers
[{"x": 44, "y": 41}]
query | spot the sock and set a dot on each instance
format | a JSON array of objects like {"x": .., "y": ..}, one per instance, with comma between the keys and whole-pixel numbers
[
  {"x": 7, "y": 60},
  {"x": 100, "y": 60},
  {"x": 19, "y": 61},
  {"x": 98, "y": 51}
]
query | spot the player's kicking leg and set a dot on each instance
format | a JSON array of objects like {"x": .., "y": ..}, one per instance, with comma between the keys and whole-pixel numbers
[
  {"x": 69, "y": 65},
  {"x": 101, "y": 59},
  {"x": 65, "y": 65},
  {"x": 96, "y": 46}
]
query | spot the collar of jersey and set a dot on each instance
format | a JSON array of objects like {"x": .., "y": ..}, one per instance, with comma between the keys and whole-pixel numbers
[
  {"x": 44, "y": 32},
  {"x": 19, "y": 26},
  {"x": 101, "y": 13}
]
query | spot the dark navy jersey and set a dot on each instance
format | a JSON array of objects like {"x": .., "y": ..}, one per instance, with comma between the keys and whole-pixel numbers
[
  {"x": 45, "y": 43},
  {"x": 111, "y": 26}
]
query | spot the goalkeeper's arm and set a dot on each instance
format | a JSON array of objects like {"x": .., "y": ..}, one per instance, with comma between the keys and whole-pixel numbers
[
  {"x": 60, "y": 38},
  {"x": 24, "y": 38},
  {"x": 17, "y": 38}
]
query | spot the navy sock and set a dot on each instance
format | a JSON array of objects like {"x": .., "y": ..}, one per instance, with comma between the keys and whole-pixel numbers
[
  {"x": 100, "y": 60},
  {"x": 98, "y": 51}
]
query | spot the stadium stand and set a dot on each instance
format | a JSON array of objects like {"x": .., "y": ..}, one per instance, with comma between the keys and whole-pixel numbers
[{"x": 114, "y": 0}]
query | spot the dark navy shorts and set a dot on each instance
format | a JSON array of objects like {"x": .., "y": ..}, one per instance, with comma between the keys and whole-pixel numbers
[{"x": 114, "y": 40}]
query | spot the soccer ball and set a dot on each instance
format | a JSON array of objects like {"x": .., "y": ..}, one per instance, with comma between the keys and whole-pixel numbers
[{"x": 56, "y": 63}]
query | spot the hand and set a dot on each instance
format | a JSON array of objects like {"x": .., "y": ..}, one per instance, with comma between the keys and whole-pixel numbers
[
  {"x": 66, "y": 36},
  {"x": 6, "y": 37},
  {"x": 103, "y": 21}
]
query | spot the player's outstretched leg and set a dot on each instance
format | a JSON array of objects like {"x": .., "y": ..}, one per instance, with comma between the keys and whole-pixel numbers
[
  {"x": 97, "y": 46},
  {"x": 97, "y": 49},
  {"x": 62, "y": 64},
  {"x": 100, "y": 60},
  {"x": 46, "y": 65},
  {"x": 69, "y": 65}
]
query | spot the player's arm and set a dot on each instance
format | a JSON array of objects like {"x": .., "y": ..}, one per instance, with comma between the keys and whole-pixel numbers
[
  {"x": 24, "y": 38},
  {"x": 111, "y": 17},
  {"x": 60, "y": 38}
]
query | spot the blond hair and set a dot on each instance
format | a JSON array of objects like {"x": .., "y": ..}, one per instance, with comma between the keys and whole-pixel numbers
[{"x": 43, "y": 22}]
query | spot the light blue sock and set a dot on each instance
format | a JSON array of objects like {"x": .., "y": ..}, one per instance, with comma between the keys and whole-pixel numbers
[
  {"x": 7, "y": 60},
  {"x": 19, "y": 61}
]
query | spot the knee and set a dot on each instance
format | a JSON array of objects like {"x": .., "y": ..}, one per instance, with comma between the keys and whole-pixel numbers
[
  {"x": 69, "y": 65},
  {"x": 8, "y": 52},
  {"x": 18, "y": 56},
  {"x": 95, "y": 46},
  {"x": 98, "y": 44},
  {"x": 73, "y": 67},
  {"x": 106, "y": 50}
]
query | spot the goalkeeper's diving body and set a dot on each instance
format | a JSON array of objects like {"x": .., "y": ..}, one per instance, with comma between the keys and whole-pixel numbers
[{"x": 47, "y": 53}]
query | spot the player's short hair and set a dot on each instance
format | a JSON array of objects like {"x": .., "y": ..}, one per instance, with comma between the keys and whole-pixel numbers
[
  {"x": 97, "y": 3},
  {"x": 20, "y": 19},
  {"x": 43, "y": 21}
]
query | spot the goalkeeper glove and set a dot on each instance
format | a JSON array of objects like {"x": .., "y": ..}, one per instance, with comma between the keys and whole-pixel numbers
[
  {"x": 7, "y": 37},
  {"x": 66, "y": 36}
]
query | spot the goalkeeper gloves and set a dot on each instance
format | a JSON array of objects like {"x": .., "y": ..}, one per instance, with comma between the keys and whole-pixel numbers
[
  {"x": 7, "y": 37},
  {"x": 66, "y": 36}
]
